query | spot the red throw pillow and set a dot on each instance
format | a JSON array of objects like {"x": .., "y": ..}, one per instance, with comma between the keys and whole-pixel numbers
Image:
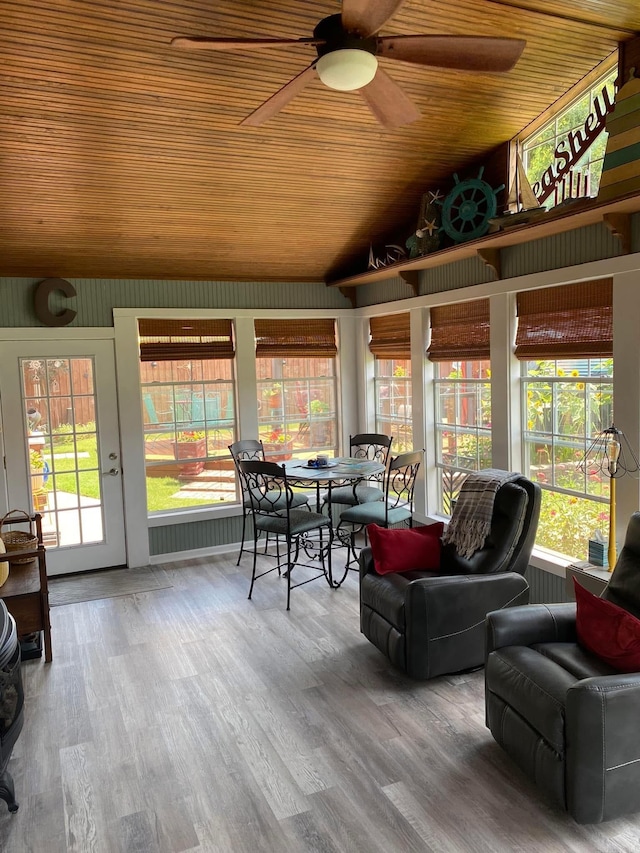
[
  {"x": 609, "y": 631},
  {"x": 404, "y": 549}
]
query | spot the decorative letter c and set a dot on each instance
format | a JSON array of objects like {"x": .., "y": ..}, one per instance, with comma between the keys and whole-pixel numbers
[{"x": 41, "y": 302}]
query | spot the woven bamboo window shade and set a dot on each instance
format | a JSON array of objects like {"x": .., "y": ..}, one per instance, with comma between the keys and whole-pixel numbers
[
  {"x": 295, "y": 338},
  {"x": 390, "y": 336},
  {"x": 460, "y": 331},
  {"x": 567, "y": 321},
  {"x": 183, "y": 340}
]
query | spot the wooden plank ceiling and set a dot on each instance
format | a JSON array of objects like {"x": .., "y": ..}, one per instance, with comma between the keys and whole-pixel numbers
[{"x": 121, "y": 156}]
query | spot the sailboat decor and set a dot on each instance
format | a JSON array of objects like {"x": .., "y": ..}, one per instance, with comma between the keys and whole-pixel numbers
[{"x": 522, "y": 202}]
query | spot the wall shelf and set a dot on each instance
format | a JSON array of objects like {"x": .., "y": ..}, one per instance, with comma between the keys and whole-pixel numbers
[{"x": 616, "y": 215}]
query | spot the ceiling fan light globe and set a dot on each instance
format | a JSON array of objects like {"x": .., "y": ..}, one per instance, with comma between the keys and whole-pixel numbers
[{"x": 347, "y": 69}]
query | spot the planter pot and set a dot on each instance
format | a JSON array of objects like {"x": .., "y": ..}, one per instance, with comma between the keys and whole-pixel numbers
[
  {"x": 189, "y": 450},
  {"x": 278, "y": 451},
  {"x": 40, "y": 500},
  {"x": 37, "y": 480}
]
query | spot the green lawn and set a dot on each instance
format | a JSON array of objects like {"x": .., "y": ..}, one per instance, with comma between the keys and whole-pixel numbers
[{"x": 160, "y": 490}]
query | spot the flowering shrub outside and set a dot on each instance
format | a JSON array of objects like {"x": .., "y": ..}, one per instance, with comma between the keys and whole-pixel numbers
[
  {"x": 190, "y": 436},
  {"x": 568, "y": 522},
  {"x": 277, "y": 436}
]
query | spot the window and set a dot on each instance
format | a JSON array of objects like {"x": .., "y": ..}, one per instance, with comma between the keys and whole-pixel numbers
[
  {"x": 463, "y": 423},
  {"x": 460, "y": 347},
  {"x": 297, "y": 411},
  {"x": 189, "y": 412},
  {"x": 566, "y": 401},
  {"x": 563, "y": 138},
  {"x": 391, "y": 347}
]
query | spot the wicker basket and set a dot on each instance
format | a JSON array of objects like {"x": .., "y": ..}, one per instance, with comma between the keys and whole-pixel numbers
[{"x": 18, "y": 540}]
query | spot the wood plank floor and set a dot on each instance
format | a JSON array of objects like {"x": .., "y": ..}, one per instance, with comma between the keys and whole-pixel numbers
[{"x": 191, "y": 719}]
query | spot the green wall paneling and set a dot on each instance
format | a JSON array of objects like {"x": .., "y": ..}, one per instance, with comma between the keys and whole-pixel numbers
[
  {"x": 545, "y": 587},
  {"x": 190, "y": 536},
  {"x": 383, "y": 291},
  {"x": 462, "y": 273},
  {"x": 581, "y": 246},
  {"x": 96, "y": 298}
]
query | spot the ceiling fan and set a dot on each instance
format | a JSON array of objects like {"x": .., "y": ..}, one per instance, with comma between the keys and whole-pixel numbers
[{"x": 348, "y": 50}]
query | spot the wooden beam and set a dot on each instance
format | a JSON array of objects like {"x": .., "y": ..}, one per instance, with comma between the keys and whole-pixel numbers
[
  {"x": 620, "y": 226},
  {"x": 350, "y": 294},
  {"x": 491, "y": 257},
  {"x": 412, "y": 278}
]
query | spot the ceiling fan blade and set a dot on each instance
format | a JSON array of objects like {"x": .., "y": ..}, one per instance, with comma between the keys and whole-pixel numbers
[
  {"x": 466, "y": 53},
  {"x": 365, "y": 17},
  {"x": 206, "y": 43},
  {"x": 388, "y": 102},
  {"x": 281, "y": 98}
]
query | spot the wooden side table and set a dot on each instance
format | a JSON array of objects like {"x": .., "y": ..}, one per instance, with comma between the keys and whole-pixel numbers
[
  {"x": 593, "y": 578},
  {"x": 26, "y": 591}
]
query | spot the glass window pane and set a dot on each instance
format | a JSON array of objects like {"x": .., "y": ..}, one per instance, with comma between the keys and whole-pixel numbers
[
  {"x": 89, "y": 486},
  {"x": 69, "y": 527},
  {"x": 87, "y": 451},
  {"x": 569, "y": 522},
  {"x": 84, "y": 413},
  {"x": 394, "y": 414}
]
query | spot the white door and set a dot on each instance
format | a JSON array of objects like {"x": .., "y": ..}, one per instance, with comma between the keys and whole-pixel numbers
[{"x": 62, "y": 448}]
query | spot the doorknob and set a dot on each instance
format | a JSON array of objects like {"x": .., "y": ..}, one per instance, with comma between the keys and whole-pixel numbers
[{"x": 113, "y": 472}]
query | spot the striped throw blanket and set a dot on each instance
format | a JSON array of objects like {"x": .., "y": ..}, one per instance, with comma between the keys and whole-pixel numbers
[{"x": 471, "y": 519}]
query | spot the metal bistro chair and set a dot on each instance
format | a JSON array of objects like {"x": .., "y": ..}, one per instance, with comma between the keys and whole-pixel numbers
[
  {"x": 395, "y": 508},
  {"x": 374, "y": 446},
  {"x": 273, "y": 512},
  {"x": 251, "y": 448}
]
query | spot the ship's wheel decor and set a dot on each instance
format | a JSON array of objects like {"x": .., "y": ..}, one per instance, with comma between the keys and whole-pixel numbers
[{"x": 467, "y": 209}]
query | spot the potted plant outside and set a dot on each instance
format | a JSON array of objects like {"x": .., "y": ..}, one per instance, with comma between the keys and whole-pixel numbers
[
  {"x": 273, "y": 396},
  {"x": 191, "y": 444},
  {"x": 36, "y": 468},
  {"x": 278, "y": 447}
]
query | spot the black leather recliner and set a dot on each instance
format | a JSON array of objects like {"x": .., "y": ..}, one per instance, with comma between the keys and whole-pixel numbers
[
  {"x": 430, "y": 623},
  {"x": 568, "y": 719}
]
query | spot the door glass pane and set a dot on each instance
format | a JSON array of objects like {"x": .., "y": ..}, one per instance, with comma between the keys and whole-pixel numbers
[{"x": 62, "y": 438}]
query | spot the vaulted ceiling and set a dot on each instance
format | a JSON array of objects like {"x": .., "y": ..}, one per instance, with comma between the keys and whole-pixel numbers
[{"x": 123, "y": 157}]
